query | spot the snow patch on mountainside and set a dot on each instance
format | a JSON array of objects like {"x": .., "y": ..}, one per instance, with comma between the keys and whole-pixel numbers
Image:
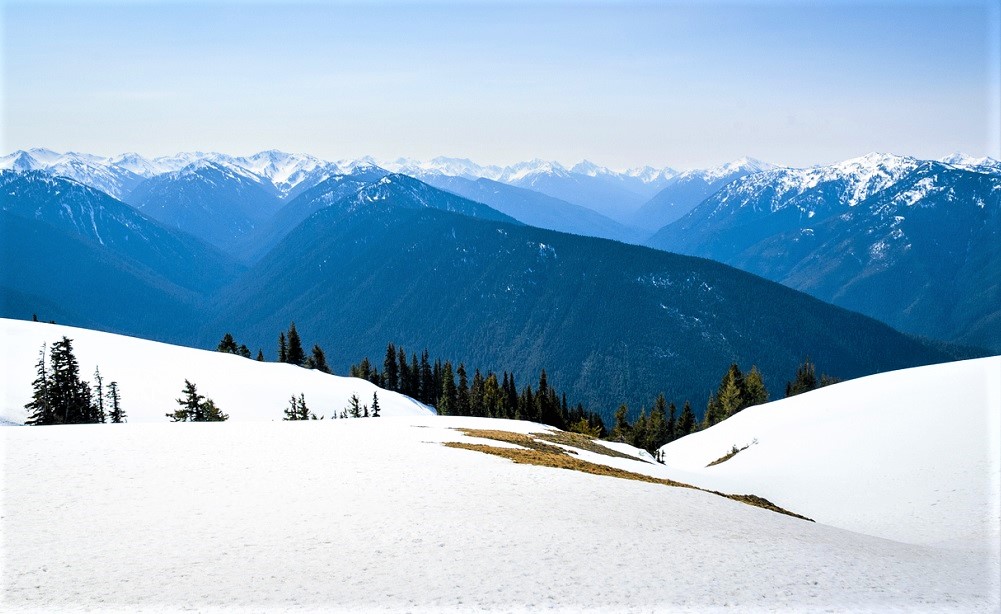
[{"x": 151, "y": 376}]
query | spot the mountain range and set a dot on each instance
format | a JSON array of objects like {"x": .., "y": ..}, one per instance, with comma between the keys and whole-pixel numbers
[
  {"x": 914, "y": 243},
  {"x": 368, "y": 257}
]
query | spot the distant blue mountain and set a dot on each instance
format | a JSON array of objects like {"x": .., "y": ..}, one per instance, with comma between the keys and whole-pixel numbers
[
  {"x": 916, "y": 244},
  {"x": 78, "y": 255},
  {"x": 214, "y": 201},
  {"x": 536, "y": 209}
]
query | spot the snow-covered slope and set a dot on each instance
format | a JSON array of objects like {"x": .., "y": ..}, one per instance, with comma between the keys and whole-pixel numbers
[
  {"x": 911, "y": 455},
  {"x": 151, "y": 376},
  {"x": 357, "y": 515}
]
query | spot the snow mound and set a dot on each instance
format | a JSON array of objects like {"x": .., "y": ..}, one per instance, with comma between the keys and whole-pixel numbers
[
  {"x": 911, "y": 455},
  {"x": 151, "y": 375}
]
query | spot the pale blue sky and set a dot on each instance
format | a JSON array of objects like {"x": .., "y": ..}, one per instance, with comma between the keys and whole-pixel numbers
[{"x": 622, "y": 84}]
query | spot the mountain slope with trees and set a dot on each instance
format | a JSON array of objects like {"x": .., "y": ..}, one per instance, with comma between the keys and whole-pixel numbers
[{"x": 609, "y": 322}]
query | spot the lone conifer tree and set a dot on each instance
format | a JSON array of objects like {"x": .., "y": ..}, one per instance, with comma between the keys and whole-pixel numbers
[
  {"x": 190, "y": 405},
  {"x": 117, "y": 414},
  {"x": 40, "y": 406},
  {"x": 99, "y": 395},
  {"x": 375, "y": 405},
  {"x": 296, "y": 355}
]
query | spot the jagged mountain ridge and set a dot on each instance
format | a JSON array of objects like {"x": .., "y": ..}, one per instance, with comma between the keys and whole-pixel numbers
[{"x": 910, "y": 242}]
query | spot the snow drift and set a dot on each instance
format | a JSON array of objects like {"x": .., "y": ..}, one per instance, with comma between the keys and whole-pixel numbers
[
  {"x": 910, "y": 455},
  {"x": 151, "y": 376}
]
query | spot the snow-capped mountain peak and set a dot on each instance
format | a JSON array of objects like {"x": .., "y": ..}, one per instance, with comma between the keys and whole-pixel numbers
[{"x": 981, "y": 165}]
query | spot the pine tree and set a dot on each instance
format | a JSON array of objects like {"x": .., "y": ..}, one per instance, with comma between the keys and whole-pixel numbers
[
  {"x": 296, "y": 356},
  {"x": 191, "y": 409},
  {"x": 40, "y": 406},
  {"x": 428, "y": 392},
  {"x": 282, "y": 348},
  {"x": 354, "y": 407},
  {"x": 117, "y": 414},
  {"x": 318, "y": 360},
  {"x": 657, "y": 425},
  {"x": 390, "y": 369},
  {"x": 806, "y": 380},
  {"x": 686, "y": 424},
  {"x": 260, "y": 355},
  {"x": 211, "y": 413},
  {"x": 462, "y": 394},
  {"x": 403, "y": 371},
  {"x": 621, "y": 430},
  {"x": 448, "y": 402},
  {"x": 99, "y": 396},
  {"x": 244, "y": 351},
  {"x": 297, "y": 409},
  {"x": 228, "y": 345},
  {"x": 638, "y": 433},
  {"x": 70, "y": 396},
  {"x": 731, "y": 394},
  {"x": 754, "y": 388},
  {"x": 375, "y": 405},
  {"x": 672, "y": 423}
]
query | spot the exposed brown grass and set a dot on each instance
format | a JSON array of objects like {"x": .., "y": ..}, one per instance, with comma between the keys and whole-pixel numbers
[
  {"x": 535, "y": 452},
  {"x": 583, "y": 442},
  {"x": 728, "y": 455}
]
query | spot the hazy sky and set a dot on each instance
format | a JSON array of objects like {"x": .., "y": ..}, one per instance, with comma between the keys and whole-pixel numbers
[{"x": 622, "y": 84}]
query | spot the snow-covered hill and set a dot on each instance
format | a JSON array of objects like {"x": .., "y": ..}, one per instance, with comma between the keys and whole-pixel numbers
[
  {"x": 911, "y": 455},
  {"x": 358, "y": 515},
  {"x": 151, "y": 376}
]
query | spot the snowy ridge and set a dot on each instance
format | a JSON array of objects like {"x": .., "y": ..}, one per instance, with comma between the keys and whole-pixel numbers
[
  {"x": 151, "y": 375},
  {"x": 853, "y": 181},
  {"x": 911, "y": 455},
  {"x": 981, "y": 165}
]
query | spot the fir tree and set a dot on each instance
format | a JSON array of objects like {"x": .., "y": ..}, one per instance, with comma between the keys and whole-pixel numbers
[
  {"x": 621, "y": 430},
  {"x": 657, "y": 425},
  {"x": 754, "y": 388},
  {"x": 260, "y": 355},
  {"x": 806, "y": 380},
  {"x": 244, "y": 351},
  {"x": 211, "y": 413},
  {"x": 448, "y": 402},
  {"x": 295, "y": 356},
  {"x": 40, "y": 407},
  {"x": 318, "y": 360},
  {"x": 672, "y": 423},
  {"x": 191, "y": 409},
  {"x": 462, "y": 394},
  {"x": 117, "y": 414},
  {"x": 354, "y": 407},
  {"x": 375, "y": 405},
  {"x": 297, "y": 409},
  {"x": 228, "y": 345},
  {"x": 731, "y": 394},
  {"x": 70, "y": 396},
  {"x": 99, "y": 395},
  {"x": 686, "y": 424},
  {"x": 390, "y": 369},
  {"x": 282, "y": 348}
]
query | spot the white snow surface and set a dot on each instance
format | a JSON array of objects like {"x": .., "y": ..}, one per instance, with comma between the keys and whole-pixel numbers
[
  {"x": 151, "y": 376},
  {"x": 377, "y": 514},
  {"x": 911, "y": 455}
]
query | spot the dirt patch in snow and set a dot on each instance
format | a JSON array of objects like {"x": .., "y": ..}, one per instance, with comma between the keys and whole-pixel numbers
[{"x": 536, "y": 452}]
